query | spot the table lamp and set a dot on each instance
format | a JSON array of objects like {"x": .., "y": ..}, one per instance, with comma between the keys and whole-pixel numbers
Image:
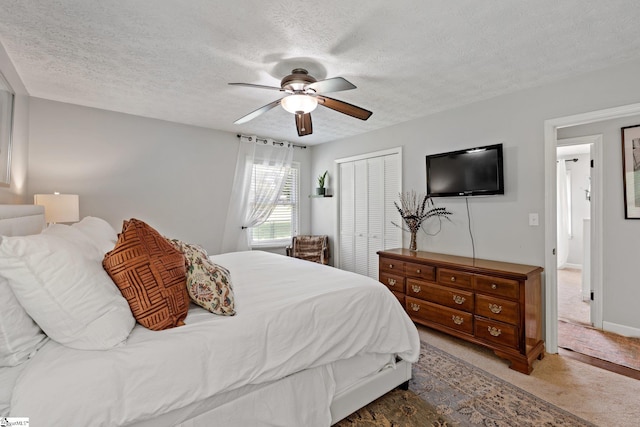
[{"x": 59, "y": 207}]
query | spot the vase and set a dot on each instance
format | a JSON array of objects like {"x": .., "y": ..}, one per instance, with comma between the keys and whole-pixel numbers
[{"x": 413, "y": 246}]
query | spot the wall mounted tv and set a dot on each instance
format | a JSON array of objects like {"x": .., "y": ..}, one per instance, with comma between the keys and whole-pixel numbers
[{"x": 472, "y": 172}]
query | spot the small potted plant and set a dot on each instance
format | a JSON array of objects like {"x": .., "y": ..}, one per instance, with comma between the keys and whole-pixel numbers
[{"x": 320, "y": 191}]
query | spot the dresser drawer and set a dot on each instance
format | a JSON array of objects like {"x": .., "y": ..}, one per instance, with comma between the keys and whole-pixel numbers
[
  {"x": 399, "y": 296},
  {"x": 392, "y": 281},
  {"x": 454, "y": 319},
  {"x": 420, "y": 271},
  {"x": 497, "y": 286},
  {"x": 451, "y": 297},
  {"x": 391, "y": 265},
  {"x": 497, "y": 309},
  {"x": 496, "y": 332},
  {"x": 454, "y": 278}
]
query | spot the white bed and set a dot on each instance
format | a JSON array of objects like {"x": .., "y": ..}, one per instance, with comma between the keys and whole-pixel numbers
[{"x": 309, "y": 345}]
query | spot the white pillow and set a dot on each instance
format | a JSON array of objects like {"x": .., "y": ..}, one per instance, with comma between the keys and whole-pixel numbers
[
  {"x": 77, "y": 238},
  {"x": 99, "y": 231},
  {"x": 65, "y": 289},
  {"x": 20, "y": 337}
]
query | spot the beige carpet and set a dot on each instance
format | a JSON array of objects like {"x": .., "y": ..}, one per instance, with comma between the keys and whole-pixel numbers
[{"x": 601, "y": 397}]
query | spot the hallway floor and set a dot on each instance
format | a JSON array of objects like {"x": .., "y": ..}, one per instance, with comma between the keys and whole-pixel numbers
[
  {"x": 571, "y": 307},
  {"x": 576, "y": 334}
]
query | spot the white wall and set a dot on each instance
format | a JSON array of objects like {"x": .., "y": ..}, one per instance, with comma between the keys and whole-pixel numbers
[
  {"x": 621, "y": 237},
  {"x": 175, "y": 177},
  {"x": 500, "y": 223},
  {"x": 16, "y": 191}
]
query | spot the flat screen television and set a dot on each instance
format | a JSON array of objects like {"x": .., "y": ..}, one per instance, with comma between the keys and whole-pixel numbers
[{"x": 472, "y": 172}]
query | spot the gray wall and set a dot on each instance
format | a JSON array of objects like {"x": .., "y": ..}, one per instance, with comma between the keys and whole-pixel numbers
[
  {"x": 16, "y": 191},
  {"x": 175, "y": 177},
  {"x": 500, "y": 223},
  {"x": 621, "y": 237}
]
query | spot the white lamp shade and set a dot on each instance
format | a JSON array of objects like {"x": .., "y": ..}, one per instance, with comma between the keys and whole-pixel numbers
[
  {"x": 296, "y": 103},
  {"x": 59, "y": 207}
]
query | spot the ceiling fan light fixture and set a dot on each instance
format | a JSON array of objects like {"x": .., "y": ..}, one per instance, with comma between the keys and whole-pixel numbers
[{"x": 296, "y": 103}]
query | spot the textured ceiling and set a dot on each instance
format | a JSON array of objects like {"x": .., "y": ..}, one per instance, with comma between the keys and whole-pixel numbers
[{"x": 172, "y": 60}]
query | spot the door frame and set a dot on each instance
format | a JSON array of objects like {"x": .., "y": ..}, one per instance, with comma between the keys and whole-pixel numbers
[{"x": 551, "y": 127}]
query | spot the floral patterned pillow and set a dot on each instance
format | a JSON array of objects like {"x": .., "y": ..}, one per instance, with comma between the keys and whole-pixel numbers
[{"x": 208, "y": 284}]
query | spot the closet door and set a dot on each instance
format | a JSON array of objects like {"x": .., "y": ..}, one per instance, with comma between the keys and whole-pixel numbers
[
  {"x": 392, "y": 187},
  {"x": 368, "y": 188},
  {"x": 361, "y": 197},
  {"x": 375, "y": 211},
  {"x": 347, "y": 217}
]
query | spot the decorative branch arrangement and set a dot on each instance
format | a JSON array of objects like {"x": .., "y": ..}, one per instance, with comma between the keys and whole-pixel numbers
[{"x": 414, "y": 210}]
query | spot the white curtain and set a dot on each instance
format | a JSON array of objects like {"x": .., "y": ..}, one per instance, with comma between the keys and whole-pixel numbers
[
  {"x": 254, "y": 195},
  {"x": 563, "y": 214}
]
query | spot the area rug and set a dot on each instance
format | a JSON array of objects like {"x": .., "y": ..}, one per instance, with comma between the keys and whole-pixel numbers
[
  {"x": 603, "y": 345},
  {"x": 456, "y": 393},
  {"x": 398, "y": 408},
  {"x": 471, "y": 396}
]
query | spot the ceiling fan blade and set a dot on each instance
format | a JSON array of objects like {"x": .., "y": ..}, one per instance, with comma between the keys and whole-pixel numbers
[
  {"x": 335, "y": 84},
  {"x": 258, "y": 86},
  {"x": 257, "y": 112},
  {"x": 303, "y": 124},
  {"x": 344, "y": 107}
]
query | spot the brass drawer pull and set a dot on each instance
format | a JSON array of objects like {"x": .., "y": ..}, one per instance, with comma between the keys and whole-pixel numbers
[
  {"x": 390, "y": 265},
  {"x": 415, "y": 288},
  {"x": 458, "y": 299},
  {"x": 494, "y": 286},
  {"x": 418, "y": 271},
  {"x": 415, "y": 307},
  {"x": 453, "y": 278},
  {"x": 392, "y": 282},
  {"x": 494, "y": 331},
  {"x": 457, "y": 320},
  {"x": 495, "y": 308}
]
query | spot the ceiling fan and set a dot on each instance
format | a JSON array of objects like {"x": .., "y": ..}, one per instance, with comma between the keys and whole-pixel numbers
[{"x": 303, "y": 96}]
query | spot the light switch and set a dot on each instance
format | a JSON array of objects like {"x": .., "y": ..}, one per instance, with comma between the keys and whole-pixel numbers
[{"x": 534, "y": 220}]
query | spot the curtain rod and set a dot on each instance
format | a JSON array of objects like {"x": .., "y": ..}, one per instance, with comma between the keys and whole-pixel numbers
[{"x": 280, "y": 143}]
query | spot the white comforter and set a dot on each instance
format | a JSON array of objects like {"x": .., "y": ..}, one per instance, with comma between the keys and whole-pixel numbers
[{"x": 292, "y": 315}]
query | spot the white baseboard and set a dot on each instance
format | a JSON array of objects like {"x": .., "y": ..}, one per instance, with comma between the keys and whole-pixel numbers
[
  {"x": 574, "y": 266},
  {"x": 623, "y": 330}
]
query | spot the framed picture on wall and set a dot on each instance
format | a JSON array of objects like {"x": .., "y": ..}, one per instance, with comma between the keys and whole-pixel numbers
[
  {"x": 6, "y": 130},
  {"x": 631, "y": 171}
]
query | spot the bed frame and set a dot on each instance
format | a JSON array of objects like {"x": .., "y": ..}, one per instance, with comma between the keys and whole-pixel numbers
[{"x": 17, "y": 220}]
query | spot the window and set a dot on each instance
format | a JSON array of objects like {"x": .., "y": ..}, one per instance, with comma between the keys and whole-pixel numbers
[{"x": 282, "y": 224}]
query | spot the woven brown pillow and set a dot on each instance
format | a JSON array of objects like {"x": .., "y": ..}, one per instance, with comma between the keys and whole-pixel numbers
[{"x": 150, "y": 274}]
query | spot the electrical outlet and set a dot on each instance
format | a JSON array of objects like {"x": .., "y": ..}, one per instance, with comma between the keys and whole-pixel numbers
[{"x": 534, "y": 221}]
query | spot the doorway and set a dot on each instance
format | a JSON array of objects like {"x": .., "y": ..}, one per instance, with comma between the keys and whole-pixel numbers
[
  {"x": 596, "y": 259},
  {"x": 574, "y": 195}
]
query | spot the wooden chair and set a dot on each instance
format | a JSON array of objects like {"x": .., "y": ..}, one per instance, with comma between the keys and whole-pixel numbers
[{"x": 310, "y": 248}]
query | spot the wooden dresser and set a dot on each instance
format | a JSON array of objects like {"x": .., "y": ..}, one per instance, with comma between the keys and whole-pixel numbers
[{"x": 491, "y": 303}]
